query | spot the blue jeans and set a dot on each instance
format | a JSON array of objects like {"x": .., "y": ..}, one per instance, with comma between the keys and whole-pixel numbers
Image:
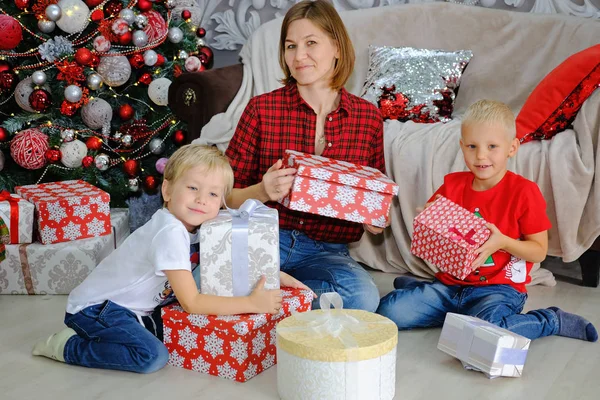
[
  {"x": 111, "y": 337},
  {"x": 425, "y": 304},
  {"x": 327, "y": 267}
]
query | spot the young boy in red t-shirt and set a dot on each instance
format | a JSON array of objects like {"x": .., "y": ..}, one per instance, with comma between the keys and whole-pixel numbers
[{"x": 516, "y": 213}]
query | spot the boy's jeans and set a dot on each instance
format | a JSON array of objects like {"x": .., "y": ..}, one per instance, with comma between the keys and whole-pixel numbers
[
  {"x": 425, "y": 304},
  {"x": 327, "y": 267},
  {"x": 111, "y": 337}
]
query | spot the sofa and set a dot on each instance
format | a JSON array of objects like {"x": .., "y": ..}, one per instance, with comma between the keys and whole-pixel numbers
[{"x": 512, "y": 53}]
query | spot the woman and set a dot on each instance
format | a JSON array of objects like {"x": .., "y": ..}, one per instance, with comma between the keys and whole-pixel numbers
[{"x": 314, "y": 114}]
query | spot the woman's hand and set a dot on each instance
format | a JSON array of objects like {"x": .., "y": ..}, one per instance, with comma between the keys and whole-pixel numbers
[
  {"x": 277, "y": 182},
  {"x": 375, "y": 230}
]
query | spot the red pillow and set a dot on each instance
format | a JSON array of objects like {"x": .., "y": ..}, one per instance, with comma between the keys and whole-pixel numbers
[{"x": 554, "y": 103}]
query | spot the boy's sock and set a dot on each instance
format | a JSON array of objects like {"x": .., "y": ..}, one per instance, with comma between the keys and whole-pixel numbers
[
  {"x": 574, "y": 326},
  {"x": 402, "y": 281},
  {"x": 54, "y": 346}
]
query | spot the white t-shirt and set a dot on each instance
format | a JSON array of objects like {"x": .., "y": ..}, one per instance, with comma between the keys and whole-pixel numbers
[{"x": 132, "y": 275}]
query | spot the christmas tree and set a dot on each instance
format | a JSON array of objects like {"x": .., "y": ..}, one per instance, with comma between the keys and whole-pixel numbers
[{"x": 84, "y": 88}]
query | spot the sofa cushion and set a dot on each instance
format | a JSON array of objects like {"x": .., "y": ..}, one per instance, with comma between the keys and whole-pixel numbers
[
  {"x": 410, "y": 84},
  {"x": 553, "y": 104}
]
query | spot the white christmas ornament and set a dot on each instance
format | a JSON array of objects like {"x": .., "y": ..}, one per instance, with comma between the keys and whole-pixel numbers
[
  {"x": 120, "y": 26},
  {"x": 101, "y": 44},
  {"x": 158, "y": 91},
  {"x": 150, "y": 57},
  {"x": 97, "y": 113},
  {"x": 114, "y": 70},
  {"x": 192, "y": 64},
  {"x": 73, "y": 93},
  {"x": 74, "y": 16},
  {"x": 72, "y": 153}
]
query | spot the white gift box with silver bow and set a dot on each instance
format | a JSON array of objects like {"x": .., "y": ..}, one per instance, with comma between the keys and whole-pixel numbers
[
  {"x": 336, "y": 354},
  {"x": 483, "y": 346},
  {"x": 237, "y": 248}
]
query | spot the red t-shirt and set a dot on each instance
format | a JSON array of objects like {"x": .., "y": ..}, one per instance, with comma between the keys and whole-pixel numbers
[{"x": 517, "y": 208}]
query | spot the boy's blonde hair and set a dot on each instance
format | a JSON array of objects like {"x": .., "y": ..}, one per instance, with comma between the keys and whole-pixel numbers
[
  {"x": 491, "y": 111},
  {"x": 194, "y": 155},
  {"x": 325, "y": 17}
]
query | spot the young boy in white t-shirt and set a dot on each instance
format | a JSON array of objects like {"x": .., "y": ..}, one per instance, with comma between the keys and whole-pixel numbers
[{"x": 107, "y": 312}]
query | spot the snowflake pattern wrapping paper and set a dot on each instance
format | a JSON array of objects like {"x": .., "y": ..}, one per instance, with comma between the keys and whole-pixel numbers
[
  {"x": 447, "y": 235},
  {"x": 339, "y": 189},
  {"x": 68, "y": 210},
  {"x": 236, "y": 347},
  {"x": 58, "y": 268}
]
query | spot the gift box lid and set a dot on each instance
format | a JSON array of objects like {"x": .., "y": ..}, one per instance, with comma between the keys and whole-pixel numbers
[
  {"x": 454, "y": 222},
  {"x": 71, "y": 190},
  {"x": 337, "y": 335},
  {"x": 240, "y": 323},
  {"x": 342, "y": 172},
  {"x": 263, "y": 214}
]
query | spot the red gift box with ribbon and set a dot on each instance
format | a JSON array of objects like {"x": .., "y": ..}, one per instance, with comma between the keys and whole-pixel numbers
[
  {"x": 17, "y": 214},
  {"x": 447, "y": 236},
  {"x": 236, "y": 347}
]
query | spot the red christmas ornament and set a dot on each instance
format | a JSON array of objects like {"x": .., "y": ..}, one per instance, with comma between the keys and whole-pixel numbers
[
  {"x": 125, "y": 38},
  {"x": 186, "y": 14},
  {"x": 12, "y": 34},
  {"x": 94, "y": 143},
  {"x": 83, "y": 56},
  {"x": 206, "y": 57},
  {"x": 87, "y": 161},
  {"x": 137, "y": 61},
  {"x": 201, "y": 32},
  {"x": 8, "y": 81},
  {"x": 5, "y": 66},
  {"x": 68, "y": 109},
  {"x": 131, "y": 167},
  {"x": 157, "y": 26},
  {"x": 22, "y": 4},
  {"x": 150, "y": 183},
  {"x": 93, "y": 3},
  {"x": 53, "y": 155},
  {"x": 126, "y": 112},
  {"x": 145, "y": 78},
  {"x": 178, "y": 137},
  {"x": 160, "y": 60},
  {"x": 112, "y": 8},
  {"x": 40, "y": 100},
  {"x": 4, "y": 135},
  {"x": 144, "y": 5},
  {"x": 97, "y": 15},
  {"x": 28, "y": 148}
]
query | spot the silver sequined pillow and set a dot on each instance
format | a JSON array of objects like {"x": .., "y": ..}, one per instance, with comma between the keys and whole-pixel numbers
[{"x": 414, "y": 84}]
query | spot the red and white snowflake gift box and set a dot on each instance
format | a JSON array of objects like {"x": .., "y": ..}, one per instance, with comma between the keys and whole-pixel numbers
[
  {"x": 339, "y": 189},
  {"x": 68, "y": 210},
  {"x": 447, "y": 235},
  {"x": 236, "y": 347}
]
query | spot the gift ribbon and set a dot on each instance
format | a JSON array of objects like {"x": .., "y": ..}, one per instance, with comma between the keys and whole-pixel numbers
[
  {"x": 457, "y": 235},
  {"x": 14, "y": 214},
  {"x": 239, "y": 242},
  {"x": 27, "y": 281}
]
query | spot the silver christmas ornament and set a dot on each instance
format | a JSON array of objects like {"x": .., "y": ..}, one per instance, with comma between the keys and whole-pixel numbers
[
  {"x": 102, "y": 162},
  {"x": 200, "y": 42},
  {"x": 170, "y": 4},
  {"x": 39, "y": 77},
  {"x": 94, "y": 81},
  {"x": 117, "y": 135},
  {"x": 150, "y": 57},
  {"x": 73, "y": 93},
  {"x": 133, "y": 184},
  {"x": 175, "y": 35},
  {"x": 128, "y": 15},
  {"x": 182, "y": 54},
  {"x": 67, "y": 135},
  {"x": 53, "y": 12},
  {"x": 156, "y": 146},
  {"x": 127, "y": 140},
  {"x": 140, "y": 38},
  {"x": 141, "y": 21},
  {"x": 46, "y": 26}
]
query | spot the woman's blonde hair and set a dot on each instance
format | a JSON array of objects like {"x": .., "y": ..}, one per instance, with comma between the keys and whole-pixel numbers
[
  {"x": 326, "y": 18},
  {"x": 486, "y": 111},
  {"x": 194, "y": 155}
]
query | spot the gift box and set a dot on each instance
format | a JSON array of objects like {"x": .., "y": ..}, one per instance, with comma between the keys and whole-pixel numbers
[
  {"x": 17, "y": 214},
  {"x": 339, "y": 189},
  {"x": 336, "y": 354},
  {"x": 68, "y": 210},
  {"x": 237, "y": 248},
  {"x": 58, "y": 268},
  {"x": 236, "y": 347},
  {"x": 447, "y": 235},
  {"x": 483, "y": 346}
]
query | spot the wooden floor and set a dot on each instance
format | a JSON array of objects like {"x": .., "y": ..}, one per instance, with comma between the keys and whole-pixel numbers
[{"x": 556, "y": 368}]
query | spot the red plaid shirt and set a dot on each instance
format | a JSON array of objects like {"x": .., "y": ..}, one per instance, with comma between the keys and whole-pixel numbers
[{"x": 280, "y": 120}]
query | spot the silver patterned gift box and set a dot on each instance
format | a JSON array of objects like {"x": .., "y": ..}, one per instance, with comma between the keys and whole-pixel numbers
[
  {"x": 15, "y": 208},
  {"x": 237, "y": 248},
  {"x": 58, "y": 268},
  {"x": 483, "y": 346}
]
